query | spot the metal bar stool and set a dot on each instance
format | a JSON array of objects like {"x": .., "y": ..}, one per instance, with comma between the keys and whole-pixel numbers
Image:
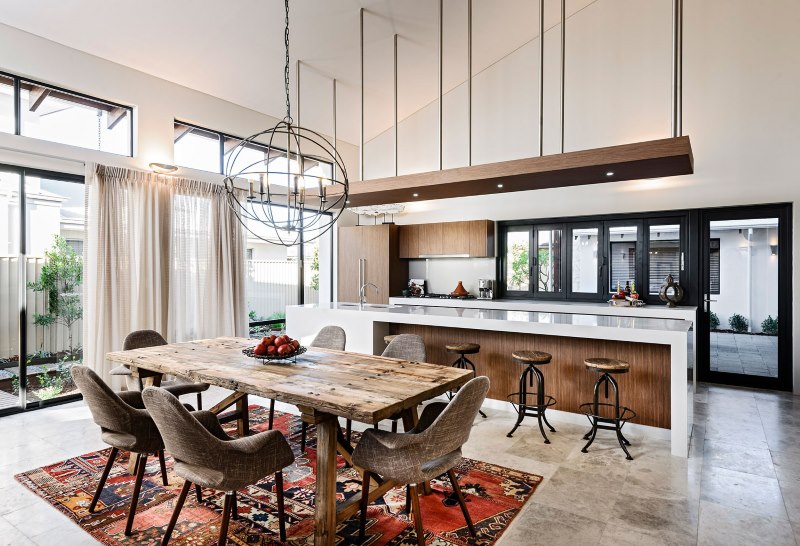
[
  {"x": 620, "y": 415},
  {"x": 463, "y": 349},
  {"x": 532, "y": 404}
]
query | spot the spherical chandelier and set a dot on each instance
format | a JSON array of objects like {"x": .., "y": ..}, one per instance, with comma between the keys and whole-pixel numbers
[{"x": 297, "y": 180}]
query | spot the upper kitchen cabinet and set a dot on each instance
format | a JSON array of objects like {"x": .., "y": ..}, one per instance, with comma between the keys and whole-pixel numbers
[
  {"x": 379, "y": 247},
  {"x": 474, "y": 239}
]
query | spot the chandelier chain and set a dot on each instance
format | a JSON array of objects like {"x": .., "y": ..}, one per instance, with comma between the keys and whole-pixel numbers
[{"x": 286, "y": 67}]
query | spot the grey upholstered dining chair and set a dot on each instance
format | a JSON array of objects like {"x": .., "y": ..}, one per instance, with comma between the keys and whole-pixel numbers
[
  {"x": 141, "y": 339},
  {"x": 329, "y": 337},
  {"x": 427, "y": 451},
  {"x": 206, "y": 456},
  {"x": 125, "y": 425},
  {"x": 409, "y": 347}
]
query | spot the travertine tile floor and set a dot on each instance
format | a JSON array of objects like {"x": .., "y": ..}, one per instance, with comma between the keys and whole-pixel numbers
[{"x": 741, "y": 484}]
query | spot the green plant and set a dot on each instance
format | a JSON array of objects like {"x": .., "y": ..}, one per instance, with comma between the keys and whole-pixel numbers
[
  {"x": 315, "y": 269},
  {"x": 520, "y": 268},
  {"x": 59, "y": 279},
  {"x": 770, "y": 325},
  {"x": 252, "y": 315},
  {"x": 738, "y": 323},
  {"x": 713, "y": 321},
  {"x": 15, "y": 384}
]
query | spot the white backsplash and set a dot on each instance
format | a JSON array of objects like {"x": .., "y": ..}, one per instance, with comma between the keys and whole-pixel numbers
[{"x": 443, "y": 274}]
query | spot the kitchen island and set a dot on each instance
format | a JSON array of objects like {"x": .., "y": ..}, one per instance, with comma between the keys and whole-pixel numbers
[{"x": 658, "y": 349}]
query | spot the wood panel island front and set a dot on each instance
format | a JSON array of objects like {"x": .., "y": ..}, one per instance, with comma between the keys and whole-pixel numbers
[{"x": 657, "y": 387}]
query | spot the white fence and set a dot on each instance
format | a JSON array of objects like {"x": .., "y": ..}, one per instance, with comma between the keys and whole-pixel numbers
[
  {"x": 52, "y": 338},
  {"x": 273, "y": 284}
]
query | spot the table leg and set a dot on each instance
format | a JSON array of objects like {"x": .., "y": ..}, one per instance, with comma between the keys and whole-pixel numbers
[
  {"x": 243, "y": 419},
  {"x": 325, "y": 514}
]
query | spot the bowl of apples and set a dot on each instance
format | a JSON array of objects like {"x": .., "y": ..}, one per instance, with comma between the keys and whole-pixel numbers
[{"x": 275, "y": 348}]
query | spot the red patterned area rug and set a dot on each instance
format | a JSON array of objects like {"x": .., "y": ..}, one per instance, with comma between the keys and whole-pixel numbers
[{"x": 494, "y": 496}]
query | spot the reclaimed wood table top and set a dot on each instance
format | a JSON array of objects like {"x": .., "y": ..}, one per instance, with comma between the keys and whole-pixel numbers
[{"x": 356, "y": 386}]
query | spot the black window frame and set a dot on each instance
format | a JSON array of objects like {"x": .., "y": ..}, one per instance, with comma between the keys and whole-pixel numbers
[
  {"x": 712, "y": 289},
  {"x": 687, "y": 219},
  {"x": 62, "y": 92},
  {"x": 504, "y": 266},
  {"x": 534, "y": 259},
  {"x": 682, "y": 247}
]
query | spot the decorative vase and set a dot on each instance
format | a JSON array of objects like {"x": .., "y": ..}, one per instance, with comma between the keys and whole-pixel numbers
[{"x": 460, "y": 290}]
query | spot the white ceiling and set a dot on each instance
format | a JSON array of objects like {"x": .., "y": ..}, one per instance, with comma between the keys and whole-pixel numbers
[{"x": 234, "y": 50}]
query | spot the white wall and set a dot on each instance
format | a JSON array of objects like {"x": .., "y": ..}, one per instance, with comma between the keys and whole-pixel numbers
[
  {"x": 740, "y": 110},
  {"x": 156, "y": 103}
]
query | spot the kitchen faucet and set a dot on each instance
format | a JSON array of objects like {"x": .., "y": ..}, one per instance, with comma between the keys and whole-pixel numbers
[{"x": 362, "y": 291}]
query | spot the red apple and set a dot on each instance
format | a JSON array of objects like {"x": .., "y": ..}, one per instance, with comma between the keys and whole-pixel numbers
[
  {"x": 295, "y": 344},
  {"x": 279, "y": 341},
  {"x": 271, "y": 350},
  {"x": 284, "y": 349},
  {"x": 260, "y": 349}
]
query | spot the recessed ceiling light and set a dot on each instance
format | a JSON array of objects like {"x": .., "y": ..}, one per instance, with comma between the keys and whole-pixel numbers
[
  {"x": 499, "y": 185},
  {"x": 415, "y": 195},
  {"x": 610, "y": 173},
  {"x": 163, "y": 168}
]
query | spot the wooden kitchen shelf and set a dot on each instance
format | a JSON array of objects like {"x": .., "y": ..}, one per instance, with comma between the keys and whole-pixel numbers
[{"x": 474, "y": 239}]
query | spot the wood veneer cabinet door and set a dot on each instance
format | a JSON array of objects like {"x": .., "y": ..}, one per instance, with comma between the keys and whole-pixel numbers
[
  {"x": 456, "y": 238},
  {"x": 481, "y": 239},
  {"x": 409, "y": 240},
  {"x": 430, "y": 240},
  {"x": 379, "y": 246}
]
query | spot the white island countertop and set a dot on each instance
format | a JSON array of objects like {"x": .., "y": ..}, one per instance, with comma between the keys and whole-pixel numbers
[
  {"x": 366, "y": 326},
  {"x": 682, "y": 312}
]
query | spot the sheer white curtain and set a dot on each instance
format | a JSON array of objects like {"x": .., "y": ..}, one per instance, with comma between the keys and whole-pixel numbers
[{"x": 163, "y": 253}]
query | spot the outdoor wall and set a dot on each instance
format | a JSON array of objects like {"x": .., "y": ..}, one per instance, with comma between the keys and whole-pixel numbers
[{"x": 740, "y": 111}]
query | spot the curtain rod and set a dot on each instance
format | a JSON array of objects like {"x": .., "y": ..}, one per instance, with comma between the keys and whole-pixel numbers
[{"x": 40, "y": 154}]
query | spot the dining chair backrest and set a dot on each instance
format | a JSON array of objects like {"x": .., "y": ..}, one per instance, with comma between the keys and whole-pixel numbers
[
  {"x": 409, "y": 347},
  {"x": 330, "y": 337},
  {"x": 141, "y": 339},
  {"x": 108, "y": 410},
  {"x": 452, "y": 427}
]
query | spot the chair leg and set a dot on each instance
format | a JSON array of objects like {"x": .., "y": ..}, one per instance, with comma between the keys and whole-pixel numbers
[
  {"x": 303, "y": 431},
  {"x": 198, "y": 491},
  {"x": 137, "y": 487},
  {"x": 103, "y": 478},
  {"x": 362, "y": 526},
  {"x": 281, "y": 509},
  {"x": 176, "y": 512},
  {"x": 408, "y": 500},
  {"x": 226, "y": 518},
  {"x": 199, "y": 401},
  {"x": 461, "y": 502},
  {"x": 271, "y": 413},
  {"x": 394, "y": 425},
  {"x": 417, "y": 514},
  {"x": 163, "y": 464},
  {"x": 234, "y": 508},
  {"x": 349, "y": 433}
]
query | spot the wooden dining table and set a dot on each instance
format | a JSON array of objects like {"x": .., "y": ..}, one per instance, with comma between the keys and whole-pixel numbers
[{"x": 324, "y": 384}]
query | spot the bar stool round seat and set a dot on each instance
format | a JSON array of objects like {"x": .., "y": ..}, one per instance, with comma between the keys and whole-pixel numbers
[
  {"x": 607, "y": 415},
  {"x": 388, "y": 339},
  {"x": 607, "y": 365},
  {"x": 463, "y": 348},
  {"x": 532, "y": 357},
  {"x": 531, "y": 403}
]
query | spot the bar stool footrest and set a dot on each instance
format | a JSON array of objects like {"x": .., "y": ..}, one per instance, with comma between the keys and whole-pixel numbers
[
  {"x": 514, "y": 397},
  {"x": 625, "y": 413}
]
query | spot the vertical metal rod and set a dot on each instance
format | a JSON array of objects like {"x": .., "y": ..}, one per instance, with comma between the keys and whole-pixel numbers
[
  {"x": 396, "y": 132},
  {"x": 441, "y": 84},
  {"x": 22, "y": 273},
  {"x": 677, "y": 68},
  {"x": 297, "y": 91},
  {"x": 563, "y": 63},
  {"x": 335, "y": 152},
  {"x": 541, "y": 77},
  {"x": 361, "y": 66},
  {"x": 469, "y": 82}
]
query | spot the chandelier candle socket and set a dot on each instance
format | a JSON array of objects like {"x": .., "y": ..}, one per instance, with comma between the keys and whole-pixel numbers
[{"x": 292, "y": 204}]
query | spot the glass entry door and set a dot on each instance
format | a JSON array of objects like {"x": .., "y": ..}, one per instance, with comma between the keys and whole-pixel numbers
[{"x": 746, "y": 294}]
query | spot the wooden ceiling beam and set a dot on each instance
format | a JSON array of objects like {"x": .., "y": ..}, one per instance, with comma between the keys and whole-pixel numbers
[
  {"x": 640, "y": 160},
  {"x": 115, "y": 115},
  {"x": 36, "y": 97}
]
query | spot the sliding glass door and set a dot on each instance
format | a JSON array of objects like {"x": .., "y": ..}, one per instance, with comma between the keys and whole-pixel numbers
[{"x": 41, "y": 272}]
